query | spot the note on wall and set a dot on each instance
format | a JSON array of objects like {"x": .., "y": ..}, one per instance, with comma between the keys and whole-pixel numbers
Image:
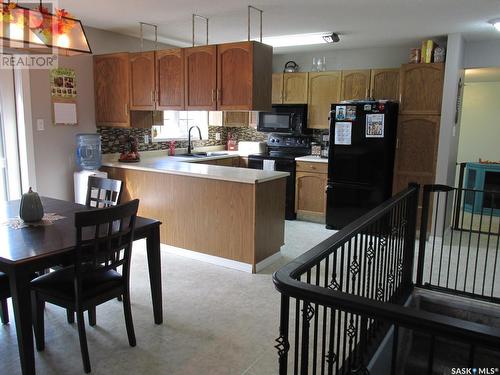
[
  {"x": 343, "y": 133},
  {"x": 65, "y": 113}
]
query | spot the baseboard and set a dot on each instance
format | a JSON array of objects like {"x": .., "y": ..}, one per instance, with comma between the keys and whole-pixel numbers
[
  {"x": 218, "y": 261},
  {"x": 267, "y": 262}
]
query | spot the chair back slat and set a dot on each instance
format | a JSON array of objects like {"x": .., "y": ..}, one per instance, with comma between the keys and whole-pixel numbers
[
  {"x": 104, "y": 241},
  {"x": 103, "y": 192}
]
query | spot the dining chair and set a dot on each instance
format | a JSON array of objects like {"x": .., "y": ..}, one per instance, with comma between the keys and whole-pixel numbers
[
  {"x": 4, "y": 294},
  {"x": 103, "y": 192},
  {"x": 104, "y": 242}
]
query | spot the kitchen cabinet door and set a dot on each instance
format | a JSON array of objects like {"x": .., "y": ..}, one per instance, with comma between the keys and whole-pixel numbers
[
  {"x": 111, "y": 89},
  {"x": 310, "y": 195},
  {"x": 295, "y": 88},
  {"x": 385, "y": 84},
  {"x": 200, "y": 78},
  {"x": 236, "y": 119},
  {"x": 421, "y": 88},
  {"x": 324, "y": 89},
  {"x": 416, "y": 151},
  {"x": 170, "y": 79},
  {"x": 244, "y": 76},
  {"x": 142, "y": 81},
  {"x": 277, "y": 90},
  {"x": 355, "y": 84}
]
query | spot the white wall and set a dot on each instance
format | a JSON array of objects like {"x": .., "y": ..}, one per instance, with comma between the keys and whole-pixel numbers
[
  {"x": 54, "y": 147},
  {"x": 449, "y": 130},
  {"x": 480, "y": 125},
  {"x": 482, "y": 54},
  {"x": 359, "y": 58}
]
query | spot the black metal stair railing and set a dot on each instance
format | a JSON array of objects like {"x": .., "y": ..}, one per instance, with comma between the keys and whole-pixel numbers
[
  {"x": 460, "y": 242},
  {"x": 340, "y": 299},
  {"x": 371, "y": 258}
]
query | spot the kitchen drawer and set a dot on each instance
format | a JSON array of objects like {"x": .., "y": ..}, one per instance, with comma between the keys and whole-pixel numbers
[{"x": 303, "y": 166}]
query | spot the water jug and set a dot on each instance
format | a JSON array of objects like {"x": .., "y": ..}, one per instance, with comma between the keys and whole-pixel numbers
[{"x": 88, "y": 151}]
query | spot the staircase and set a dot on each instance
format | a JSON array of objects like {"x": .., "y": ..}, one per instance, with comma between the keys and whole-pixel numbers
[{"x": 448, "y": 353}]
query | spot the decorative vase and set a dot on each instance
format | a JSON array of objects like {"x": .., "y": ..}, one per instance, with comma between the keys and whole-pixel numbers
[{"x": 31, "y": 209}]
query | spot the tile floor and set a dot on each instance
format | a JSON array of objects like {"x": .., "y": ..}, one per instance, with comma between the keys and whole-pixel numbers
[{"x": 217, "y": 321}]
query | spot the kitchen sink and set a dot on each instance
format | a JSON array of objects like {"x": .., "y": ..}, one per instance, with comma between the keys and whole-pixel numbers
[{"x": 200, "y": 155}]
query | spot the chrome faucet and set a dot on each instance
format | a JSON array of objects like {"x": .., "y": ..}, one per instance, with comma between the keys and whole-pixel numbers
[{"x": 189, "y": 138}]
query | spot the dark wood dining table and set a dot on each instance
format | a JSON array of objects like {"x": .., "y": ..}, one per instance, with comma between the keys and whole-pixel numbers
[{"x": 31, "y": 249}]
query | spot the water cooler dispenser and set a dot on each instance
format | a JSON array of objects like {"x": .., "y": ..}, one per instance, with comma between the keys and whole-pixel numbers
[{"x": 88, "y": 160}]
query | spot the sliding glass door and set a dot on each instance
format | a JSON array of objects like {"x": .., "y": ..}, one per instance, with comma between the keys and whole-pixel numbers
[{"x": 10, "y": 176}]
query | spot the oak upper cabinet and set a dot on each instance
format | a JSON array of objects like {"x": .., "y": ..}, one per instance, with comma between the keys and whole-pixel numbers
[
  {"x": 112, "y": 91},
  {"x": 421, "y": 88},
  {"x": 295, "y": 88},
  {"x": 385, "y": 84},
  {"x": 355, "y": 84},
  {"x": 416, "y": 152},
  {"x": 235, "y": 119},
  {"x": 142, "y": 81},
  {"x": 200, "y": 78},
  {"x": 244, "y": 76},
  {"x": 170, "y": 79},
  {"x": 310, "y": 187},
  {"x": 324, "y": 89},
  {"x": 277, "y": 90}
]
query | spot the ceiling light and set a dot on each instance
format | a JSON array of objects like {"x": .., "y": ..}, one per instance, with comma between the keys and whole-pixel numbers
[
  {"x": 26, "y": 28},
  {"x": 297, "y": 39},
  {"x": 332, "y": 38},
  {"x": 496, "y": 23}
]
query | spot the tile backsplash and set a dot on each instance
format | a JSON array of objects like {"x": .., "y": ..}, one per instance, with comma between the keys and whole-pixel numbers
[{"x": 110, "y": 138}]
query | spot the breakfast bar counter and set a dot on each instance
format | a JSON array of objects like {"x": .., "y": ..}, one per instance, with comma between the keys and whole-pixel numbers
[{"x": 224, "y": 215}]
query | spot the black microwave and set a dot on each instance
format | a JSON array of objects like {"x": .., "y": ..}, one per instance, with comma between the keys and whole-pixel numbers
[{"x": 284, "y": 118}]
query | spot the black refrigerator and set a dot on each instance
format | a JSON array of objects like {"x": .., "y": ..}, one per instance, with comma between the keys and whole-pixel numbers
[{"x": 360, "y": 159}]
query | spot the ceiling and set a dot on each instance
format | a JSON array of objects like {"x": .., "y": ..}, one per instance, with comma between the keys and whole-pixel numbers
[
  {"x": 482, "y": 75},
  {"x": 360, "y": 23}
]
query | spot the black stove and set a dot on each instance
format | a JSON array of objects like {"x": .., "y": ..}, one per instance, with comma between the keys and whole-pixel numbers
[{"x": 283, "y": 149}]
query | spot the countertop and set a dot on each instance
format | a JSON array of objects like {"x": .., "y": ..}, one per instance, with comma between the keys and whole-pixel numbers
[
  {"x": 312, "y": 159},
  {"x": 188, "y": 166}
]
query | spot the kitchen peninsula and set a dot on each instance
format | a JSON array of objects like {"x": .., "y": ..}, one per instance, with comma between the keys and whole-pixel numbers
[{"x": 229, "y": 216}]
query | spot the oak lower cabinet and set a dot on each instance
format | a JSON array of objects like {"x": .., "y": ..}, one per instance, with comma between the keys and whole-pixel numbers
[
  {"x": 355, "y": 84},
  {"x": 384, "y": 84},
  {"x": 112, "y": 90},
  {"x": 277, "y": 88},
  {"x": 225, "y": 162},
  {"x": 200, "y": 78},
  {"x": 142, "y": 81},
  {"x": 295, "y": 88},
  {"x": 421, "y": 89},
  {"x": 310, "y": 191},
  {"x": 324, "y": 89}
]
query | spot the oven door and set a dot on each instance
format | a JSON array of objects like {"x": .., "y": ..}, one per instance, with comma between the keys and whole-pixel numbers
[{"x": 273, "y": 122}]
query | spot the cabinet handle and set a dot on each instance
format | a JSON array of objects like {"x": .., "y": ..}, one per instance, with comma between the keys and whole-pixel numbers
[
  {"x": 214, "y": 95},
  {"x": 153, "y": 96},
  {"x": 219, "y": 95},
  {"x": 126, "y": 110}
]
